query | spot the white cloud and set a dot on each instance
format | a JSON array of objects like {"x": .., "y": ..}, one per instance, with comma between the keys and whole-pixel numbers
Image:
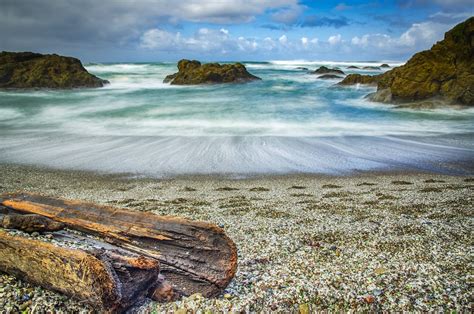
[
  {"x": 304, "y": 41},
  {"x": 335, "y": 39},
  {"x": 283, "y": 40}
]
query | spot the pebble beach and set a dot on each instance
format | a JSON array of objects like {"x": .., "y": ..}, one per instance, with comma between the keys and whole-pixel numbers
[{"x": 369, "y": 241}]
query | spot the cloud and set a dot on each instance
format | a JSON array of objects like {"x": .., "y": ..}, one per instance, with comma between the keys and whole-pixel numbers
[
  {"x": 316, "y": 21},
  {"x": 448, "y": 5},
  {"x": 334, "y": 40},
  {"x": 289, "y": 15},
  {"x": 56, "y": 24},
  {"x": 419, "y": 36}
]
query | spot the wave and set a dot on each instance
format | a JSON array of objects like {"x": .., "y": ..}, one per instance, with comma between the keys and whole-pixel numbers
[{"x": 170, "y": 156}]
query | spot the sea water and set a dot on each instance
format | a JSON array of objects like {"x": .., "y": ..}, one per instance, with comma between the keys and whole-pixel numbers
[{"x": 289, "y": 122}]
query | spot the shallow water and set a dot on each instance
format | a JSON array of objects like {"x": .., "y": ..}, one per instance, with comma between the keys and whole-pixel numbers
[{"x": 288, "y": 122}]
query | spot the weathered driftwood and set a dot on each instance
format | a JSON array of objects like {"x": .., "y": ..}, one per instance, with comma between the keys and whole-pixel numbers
[
  {"x": 195, "y": 257},
  {"x": 110, "y": 280},
  {"x": 29, "y": 223}
]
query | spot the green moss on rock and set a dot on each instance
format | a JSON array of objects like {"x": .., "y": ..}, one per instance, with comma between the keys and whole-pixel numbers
[
  {"x": 34, "y": 70},
  {"x": 192, "y": 72},
  {"x": 446, "y": 71},
  {"x": 326, "y": 70},
  {"x": 353, "y": 79}
]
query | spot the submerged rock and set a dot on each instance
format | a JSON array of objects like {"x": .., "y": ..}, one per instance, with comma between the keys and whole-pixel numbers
[
  {"x": 353, "y": 79},
  {"x": 34, "y": 70},
  {"x": 329, "y": 77},
  {"x": 326, "y": 70},
  {"x": 301, "y": 68},
  {"x": 445, "y": 72},
  {"x": 371, "y": 68},
  {"x": 193, "y": 72},
  {"x": 353, "y": 67}
]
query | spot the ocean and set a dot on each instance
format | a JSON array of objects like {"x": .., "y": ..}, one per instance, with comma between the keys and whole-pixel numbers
[{"x": 290, "y": 122}]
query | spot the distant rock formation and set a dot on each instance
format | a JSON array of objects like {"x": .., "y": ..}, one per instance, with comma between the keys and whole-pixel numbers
[
  {"x": 353, "y": 79},
  {"x": 34, "y": 70},
  {"x": 301, "y": 68},
  {"x": 329, "y": 77},
  {"x": 384, "y": 65},
  {"x": 371, "y": 68},
  {"x": 193, "y": 72},
  {"x": 442, "y": 75},
  {"x": 353, "y": 67},
  {"x": 326, "y": 70}
]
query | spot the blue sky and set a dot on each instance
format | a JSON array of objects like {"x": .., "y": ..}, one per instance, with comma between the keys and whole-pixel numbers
[{"x": 165, "y": 30}]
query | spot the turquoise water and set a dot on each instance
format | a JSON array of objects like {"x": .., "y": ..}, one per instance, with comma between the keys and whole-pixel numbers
[{"x": 291, "y": 121}]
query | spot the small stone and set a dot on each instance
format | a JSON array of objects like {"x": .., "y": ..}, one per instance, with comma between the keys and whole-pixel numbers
[
  {"x": 227, "y": 296},
  {"x": 333, "y": 247},
  {"x": 377, "y": 292},
  {"x": 304, "y": 308},
  {"x": 35, "y": 234},
  {"x": 380, "y": 271},
  {"x": 369, "y": 299},
  {"x": 24, "y": 305}
]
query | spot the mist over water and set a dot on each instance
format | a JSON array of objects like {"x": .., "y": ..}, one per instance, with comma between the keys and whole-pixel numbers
[{"x": 288, "y": 122}]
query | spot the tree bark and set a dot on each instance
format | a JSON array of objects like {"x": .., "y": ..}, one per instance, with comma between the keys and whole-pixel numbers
[
  {"x": 110, "y": 280},
  {"x": 195, "y": 257}
]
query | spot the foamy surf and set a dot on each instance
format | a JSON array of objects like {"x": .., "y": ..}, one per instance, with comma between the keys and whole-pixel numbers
[{"x": 291, "y": 121}]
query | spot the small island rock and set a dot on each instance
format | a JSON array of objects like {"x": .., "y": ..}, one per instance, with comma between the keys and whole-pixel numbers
[
  {"x": 329, "y": 77},
  {"x": 33, "y": 70},
  {"x": 192, "y": 72},
  {"x": 326, "y": 70}
]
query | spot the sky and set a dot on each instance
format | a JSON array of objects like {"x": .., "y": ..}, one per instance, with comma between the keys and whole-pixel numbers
[{"x": 228, "y": 30}]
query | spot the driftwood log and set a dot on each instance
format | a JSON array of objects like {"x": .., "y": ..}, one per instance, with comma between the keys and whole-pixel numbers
[{"x": 140, "y": 253}]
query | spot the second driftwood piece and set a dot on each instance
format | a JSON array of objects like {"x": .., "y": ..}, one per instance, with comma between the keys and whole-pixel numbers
[
  {"x": 194, "y": 257},
  {"x": 111, "y": 281}
]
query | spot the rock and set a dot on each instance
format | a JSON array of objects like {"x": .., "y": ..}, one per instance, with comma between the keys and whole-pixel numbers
[
  {"x": 371, "y": 68},
  {"x": 34, "y": 70},
  {"x": 384, "y": 65},
  {"x": 353, "y": 67},
  {"x": 329, "y": 77},
  {"x": 326, "y": 70},
  {"x": 443, "y": 74},
  {"x": 353, "y": 79},
  {"x": 383, "y": 95},
  {"x": 193, "y": 72},
  {"x": 301, "y": 68}
]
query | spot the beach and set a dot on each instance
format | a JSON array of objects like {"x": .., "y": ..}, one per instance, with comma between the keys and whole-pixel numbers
[{"x": 393, "y": 241}]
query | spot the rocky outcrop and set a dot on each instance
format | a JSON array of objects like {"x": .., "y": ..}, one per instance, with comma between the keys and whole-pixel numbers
[
  {"x": 329, "y": 77},
  {"x": 353, "y": 67},
  {"x": 445, "y": 72},
  {"x": 443, "y": 75},
  {"x": 34, "y": 70},
  {"x": 326, "y": 70},
  {"x": 384, "y": 65},
  {"x": 353, "y": 79},
  {"x": 193, "y": 72}
]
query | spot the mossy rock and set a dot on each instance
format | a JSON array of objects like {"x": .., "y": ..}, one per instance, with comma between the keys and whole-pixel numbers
[
  {"x": 192, "y": 72},
  {"x": 446, "y": 71},
  {"x": 329, "y": 77},
  {"x": 326, "y": 70},
  {"x": 34, "y": 70},
  {"x": 353, "y": 79}
]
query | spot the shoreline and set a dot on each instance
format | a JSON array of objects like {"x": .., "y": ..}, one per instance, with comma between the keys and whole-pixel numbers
[
  {"x": 242, "y": 156},
  {"x": 373, "y": 241}
]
